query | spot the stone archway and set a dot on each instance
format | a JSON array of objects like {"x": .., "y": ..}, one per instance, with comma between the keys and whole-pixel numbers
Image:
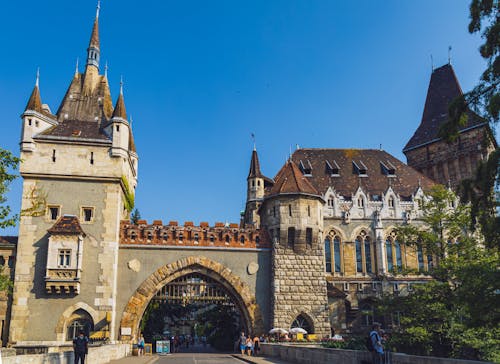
[{"x": 244, "y": 297}]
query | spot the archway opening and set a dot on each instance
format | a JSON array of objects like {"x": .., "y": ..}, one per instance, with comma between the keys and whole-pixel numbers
[
  {"x": 303, "y": 322},
  {"x": 80, "y": 320},
  {"x": 193, "y": 312}
]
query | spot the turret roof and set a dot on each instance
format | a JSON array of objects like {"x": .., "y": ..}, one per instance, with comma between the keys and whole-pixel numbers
[
  {"x": 255, "y": 166},
  {"x": 120, "y": 111},
  {"x": 291, "y": 180},
  {"x": 443, "y": 88}
]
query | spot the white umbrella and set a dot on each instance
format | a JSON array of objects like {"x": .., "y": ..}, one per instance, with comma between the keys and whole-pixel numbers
[
  {"x": 278, "y": 330},
  {"x": 298, "y": 330}
]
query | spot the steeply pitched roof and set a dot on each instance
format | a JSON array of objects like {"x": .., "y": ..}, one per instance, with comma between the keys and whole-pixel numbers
[
  {"x": 94, "y": 37},
  {"x": 291, "y": 180},
  {"x": 120, "y": 111},
  {"x": 75, "y": 130},
  {"x": 255, "y": 166},
  {"x": 346, "y": 169},
  {"x": 443, "y": 88},
  {"x": 35, "y": 101},
  {"x": 67, "y": 225}
]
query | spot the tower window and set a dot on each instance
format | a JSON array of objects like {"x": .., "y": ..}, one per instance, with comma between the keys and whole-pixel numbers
[
  {"x": 289, "y": 210},
  {"x": 291, "y": 236},
  {"x": 309, "y": 236},
  {"x": 309, "y": 211},
  {"x": 258, "y": 183},
  {"x": 91, "y": 157},
  {"x": 64, "y": 258},
  {"x": 87, "y": 214},
  {"x": 36, "y": 123},
  {"x": 29, "y": 122},
  {"x": 361, "y": 202},
  {"x": 253, "y": 183},
  {"x": 118, "y": 128},
  {"x": 53, "y": 212},
  {"x": 274, "y": 211},
  {"x": 53, "y": 155},
  {"x": 391, "y": 201}
]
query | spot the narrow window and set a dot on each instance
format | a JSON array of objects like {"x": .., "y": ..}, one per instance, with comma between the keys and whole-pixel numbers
[
  {"x": 118, "y": 128},
  {"x": 278, "y": 235},
  {"x": 399, "y": 261},
  {"x": 53, "y": 212},
  {"x": 274, "y": 211},
  {"x": 88, "y": 214},
  {"x": 291, "y": 236},
  {"x": 37, "y": 123},
  {"x": 391, "y": 202},
  {"x": 309, "y": 236},
  {"x": 309, "y": 211},
  {"x": 257, "y": 239},
  {"x": 253, "y": 183},
  {"x": 64, "y": 258},
  {"x": 29, "y": 122},
  {"x": 53, "y": 155},
  {"x": 359, "y": 258},
  {"x": 336, "y": 253},
  {"x": 11, "y": 261},
  {"x": 328, "y": 255},
  {"x": 258, "y": 183},
  {"x": 388, "y": 248},
  {"x": 289, "y": 210},
  {"x": 420, "y": 257},
  {"x": 361, "y": 202},
  {"x": 181, "y": 236},
  {"x": 430, "y": 263},
  {"x": 196, "y": 236},
  {"x": 368, "y": 255},
  {"x": 91, "y": 157}
]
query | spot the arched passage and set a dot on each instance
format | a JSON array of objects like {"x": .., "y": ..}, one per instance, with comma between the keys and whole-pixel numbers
[{"x": 243, "y": 296}]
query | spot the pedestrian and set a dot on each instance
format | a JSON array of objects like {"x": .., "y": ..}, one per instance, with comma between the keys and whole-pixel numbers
[
  {"x": 256, "y": 345},
  {"x": 249, "y": 345},
  {"x": 80, "y": 347},
  {"x": 140, "y": 345},
  {"x": 243, "y": 342},
  {"x": 378, "y": 348}
]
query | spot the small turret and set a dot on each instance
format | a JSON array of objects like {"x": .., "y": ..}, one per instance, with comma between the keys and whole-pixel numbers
[
  {"x": 256, "y": 183},
  {"x": 36, "y": 118},
  {"x": 120, "y": 128}
]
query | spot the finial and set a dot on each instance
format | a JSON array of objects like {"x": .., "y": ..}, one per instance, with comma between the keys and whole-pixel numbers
[
  {"x": 76, "y": 67},
  {"x": 106, "y": 70},
  {"x": 121, "y": 85},
  {"x": 380, "y": 146},
  {"x": 432, "y": 64},
  {"x": 290, "y": 151},
  {"x": 253, "y": 138},
  {"x": 449, "y": 54},
  {"x": 98, "y": 7},
  {"x": 419, "y": 182},
  {"x": 37, "y": 76}
]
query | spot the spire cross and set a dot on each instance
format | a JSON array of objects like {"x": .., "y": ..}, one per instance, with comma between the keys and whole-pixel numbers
[
  {"x": 121, "y": 85},
  {"x": 449, "y": 54},
  {"x": 98, "y": 7},
  {"x": 37, "y": 77},
  {"x": 76, "y": 67},
  {"x": 253, "y": 138}
]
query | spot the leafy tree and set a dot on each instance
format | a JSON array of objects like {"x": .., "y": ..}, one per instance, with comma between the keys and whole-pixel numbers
[
  {"x": 458, "y": 313},
  {"x": 135, "y": 216},
  {"x": 8, "y": 162},
  {"x": 484, "y": 99}
]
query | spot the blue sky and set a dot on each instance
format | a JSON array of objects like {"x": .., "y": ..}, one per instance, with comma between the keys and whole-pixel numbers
[{"x": 201, "y": 76}]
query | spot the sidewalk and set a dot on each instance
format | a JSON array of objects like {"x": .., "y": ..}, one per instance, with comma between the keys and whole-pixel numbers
[
  {"x": 146, "y": 359},
  {"x": 259, "y": 359}
]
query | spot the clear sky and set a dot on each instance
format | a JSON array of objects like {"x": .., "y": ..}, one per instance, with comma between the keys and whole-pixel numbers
[{"x": 201, "y": 76}]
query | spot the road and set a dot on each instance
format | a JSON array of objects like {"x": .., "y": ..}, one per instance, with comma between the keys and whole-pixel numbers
[{"x": 197, "y": 358}]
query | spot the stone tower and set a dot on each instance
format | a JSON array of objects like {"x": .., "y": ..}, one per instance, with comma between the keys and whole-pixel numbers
[
  {"x": 292, "y": 214},
  {"x": 443, "y": 162},
  {"x": 79, "y": 169}
]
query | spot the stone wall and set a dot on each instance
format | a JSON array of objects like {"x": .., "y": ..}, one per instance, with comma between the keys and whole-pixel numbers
[
  {"x": 318, "y": 355},
  {"x": 97, "y": 355}
]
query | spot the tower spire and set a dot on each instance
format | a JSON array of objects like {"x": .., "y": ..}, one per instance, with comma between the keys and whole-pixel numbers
[
  {"x": 37, "y": 77},
  {"x": 93, "y": 49}
]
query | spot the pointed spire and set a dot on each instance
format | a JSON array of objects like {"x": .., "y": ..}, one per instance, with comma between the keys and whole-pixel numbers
[
  {"x": 120, "y": 111},
  {"x": 35, "y": 101},
  {"x": 76, "y": 67},
  {"x": 106, "y": 70},
  {"x": 255, "y": 166},
  {"x": 93, "y": 49},
  {"x": 98, "y": 8}
]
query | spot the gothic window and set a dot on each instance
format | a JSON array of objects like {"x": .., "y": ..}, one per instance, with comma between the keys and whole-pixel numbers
[
  {"x": 430, "y": 262},
  {"x": 359, "y": 258},
  {"x": 368, "y": 255},
  {"x": 53, "y": 212},
  {"x": 258, "y": 183},
  {"x": 336, "y": 254},
  {"x": 394, "y": 253},
  {"x": 391, "y": 201},
  {"x": 291, "y": 236},
  {"x": 328, "y": 255},
  {"x": 388, "y": 247},
  {"x": 361, "y": 202},
  {"x": 64, "y": 258},
  {"x": 309, "y": 237},
  {"x": 399, "y": 260},
  {"x": 330, "y": 201}
]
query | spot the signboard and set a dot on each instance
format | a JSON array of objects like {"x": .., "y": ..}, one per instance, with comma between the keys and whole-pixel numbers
[
  {"x": 126, "y": 331},
  {"x": 163, "y": 347}
]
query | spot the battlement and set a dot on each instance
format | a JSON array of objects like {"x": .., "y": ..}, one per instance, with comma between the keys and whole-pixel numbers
[{"x": 220, "y": 235}]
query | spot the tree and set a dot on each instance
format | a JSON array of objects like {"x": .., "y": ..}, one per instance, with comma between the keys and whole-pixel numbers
[
  {"x": 135, "y": 216},
  {"x": 8, "y": 162},
  {"x": 485, "y": 100},
  {"x": 458, "y": 313}
]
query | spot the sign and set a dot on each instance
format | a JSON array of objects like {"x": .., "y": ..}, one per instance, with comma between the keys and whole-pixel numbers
[
  {"x": 163, "y": 347},
  {"x": 126, "y": 331}
]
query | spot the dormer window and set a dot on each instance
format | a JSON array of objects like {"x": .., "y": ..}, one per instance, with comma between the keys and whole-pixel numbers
[
  {"x": 330, "y": 201},
  {"x": 332, "y": 169},
  {"x": 390, "y": 202},
  {"x": 361, "y": 202},
  {"x": 388, "y": 169},
  {"x": 306, "y": 168},
  {"x": 359, "y": 168}
]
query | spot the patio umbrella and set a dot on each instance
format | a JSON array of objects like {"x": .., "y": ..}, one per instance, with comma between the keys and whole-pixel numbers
[
  {"x": 298, "y": 330},
  {"x": 278, "y": 330}
]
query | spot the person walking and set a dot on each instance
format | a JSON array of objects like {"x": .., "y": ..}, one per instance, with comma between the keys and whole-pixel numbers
[
  {"x": 249, "y": 345},
  {"x": 140, "y": 346},
  {"x": 378, "y": 348},
  {"x": 80, "y": 347},
  {"x": 243, "y": 342},
  {"x": 256, "y": 345}
]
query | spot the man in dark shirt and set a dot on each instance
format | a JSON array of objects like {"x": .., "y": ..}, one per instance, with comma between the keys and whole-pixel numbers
[{"x": 80, "y": 347}]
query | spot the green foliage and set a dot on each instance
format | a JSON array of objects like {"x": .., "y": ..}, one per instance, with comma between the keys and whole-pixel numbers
[
  {"x": 135, "y": 216},
  {"x": 8, "y": 162},
  {"x": 129, "y": 197},
  {"x": 6, "y": 283},
  {"x": 349, "y": 343},
  {"x": 458, "y": 313}
]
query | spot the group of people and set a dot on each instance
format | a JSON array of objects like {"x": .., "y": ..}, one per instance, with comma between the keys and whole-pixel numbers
[{"x": 249, "y": 345}]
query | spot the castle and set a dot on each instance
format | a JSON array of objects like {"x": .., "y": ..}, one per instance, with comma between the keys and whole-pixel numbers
[{"x": 315, "y": 245}]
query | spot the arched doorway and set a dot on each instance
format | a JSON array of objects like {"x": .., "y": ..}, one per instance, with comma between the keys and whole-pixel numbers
[
  {"x": 205, "y": 273},
  {"x": 303, "y": 322}
]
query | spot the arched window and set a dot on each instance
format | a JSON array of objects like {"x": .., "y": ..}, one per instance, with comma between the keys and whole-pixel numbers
[
  {"x": 390, "y": 202},
  {"x": 388, "y": 248},
  {"x": 368, "y": 255},
  {"x": 336, "y": 254},
  {"x": 304, "y": 323},
  {"x": 361, "y": 201},
  {"x": 420, "y": 257},
  {"x": 328, "y": 255},
  {"x": 399, "y": 260},
  {"x": 359, "y": 255},
  {"x": 79, "y": 320},
  {"x": 330, "y": 201}
]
